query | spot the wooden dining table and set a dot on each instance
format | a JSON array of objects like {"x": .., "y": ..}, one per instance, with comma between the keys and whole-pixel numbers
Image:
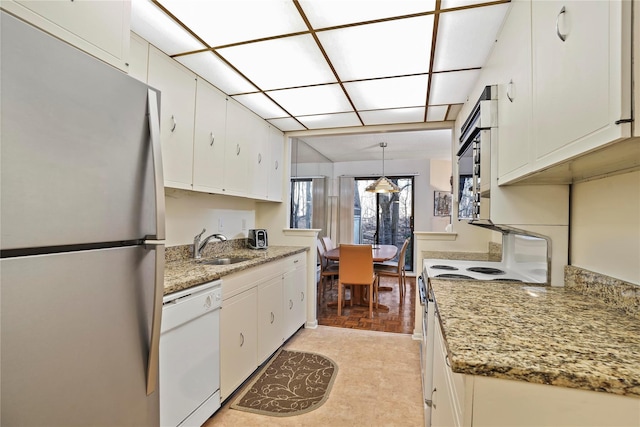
[{"x": 380, "y": 253}]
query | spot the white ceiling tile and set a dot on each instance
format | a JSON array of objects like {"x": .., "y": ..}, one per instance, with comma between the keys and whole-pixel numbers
[
  {"x": 326, "y": 121},
  {"x": 453, "y": 111},
  {"x": 216, "y": 72},
  {"x": 437, "y": 113},
  {"x": 223, "y": 22},
  {"x": 452, "y": 88},
  {"x": 312, "y": 100},
  {"x": 388, "y": 93},
  {"x": 323, "y": 13},
  {"x": 380, "y": 50},
  {"x": 397, "y": 115},
  {"x": 153, "y": 25},
  {"x": 261, "y": 105},
  {"x": 286, "y": 124},
  {"x": 281, "y": 63},
  {"x": 449, "y": 4},
  {"x": 466, "y": 37}
]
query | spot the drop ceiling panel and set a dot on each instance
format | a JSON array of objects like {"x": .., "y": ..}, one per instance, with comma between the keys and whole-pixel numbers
[
  {"x": 281, "y": 63},
  {"x": 388, "y": 93},
  {"x": 327, "y": 121},
  {"x": 216, "y": 72},
  {"x": 437, "y": 113},
  {"x": 217, "y": 23},
  {"x": 286, "y": 124},
  {"x": 380, "y": 50},
  {"x": 260, "y": 104},
  {"x": 323, "y": 13},
  {"x": 396, "y": 115},
  {"x": 452, "y": 88},
  {"x": 466, "y": 37},
  {"x": 312, "y": 100}
]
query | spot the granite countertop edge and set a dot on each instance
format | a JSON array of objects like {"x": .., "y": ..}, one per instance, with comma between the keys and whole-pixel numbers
[
  {"x": 186, "y": 273},
  {"x": 560, "y": 338}
]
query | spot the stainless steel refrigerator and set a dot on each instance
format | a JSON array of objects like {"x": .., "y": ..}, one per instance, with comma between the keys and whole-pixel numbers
[{"x": 82, "y": 229}]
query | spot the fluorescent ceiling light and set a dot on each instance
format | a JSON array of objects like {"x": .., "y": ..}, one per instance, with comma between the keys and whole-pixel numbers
[
  {"x": 223, "y": 22},
  {"x": 152, "y": 24},
  {"x": 380, "y": 50},
  {"x": 436, "y": 113},
  {"x": 323, "y": 13},
  {"x": 216, "y": 72},
  {"x": 286, "y": 124},
  {"x": 283, "y": 63},
  {"x": 312, "y": 100},
  {"x": 389, "y": 93},
  {"x": 260, "y": 104}
]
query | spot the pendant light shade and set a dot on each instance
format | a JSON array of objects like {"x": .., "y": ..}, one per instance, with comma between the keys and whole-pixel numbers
[{"x": 383, "y": 184}]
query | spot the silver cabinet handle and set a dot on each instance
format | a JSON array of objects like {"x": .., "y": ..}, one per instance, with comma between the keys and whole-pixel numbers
[
  {"x": 510, "y": 96},
  {"x": 290, "y": 304},
  {"x": 212, "y": 139},
  {"x": 241, "y": 339},
  {"x": 562, "y": 37},
  {"x": 173, "y": 120},
  {"x": 273, "y": 317},
  {"x": 276, "y": 165},
  {"x": 433, "y": 398},
  {"x": 154, "y": 345},
  {"x": 301, "y": 296},
  {"x": 156, "y": 152},
  {"x": 237, "y": 149},
  {"x": 259, "y": 158}
]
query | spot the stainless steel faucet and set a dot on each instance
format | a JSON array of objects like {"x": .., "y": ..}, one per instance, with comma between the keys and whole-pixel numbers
[{"x": 199, "y": 246}]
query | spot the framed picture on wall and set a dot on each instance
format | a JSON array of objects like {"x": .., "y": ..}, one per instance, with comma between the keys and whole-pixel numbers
[{"x": 441, "y": 203}]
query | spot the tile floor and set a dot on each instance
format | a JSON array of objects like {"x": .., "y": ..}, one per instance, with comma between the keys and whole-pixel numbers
[{"x": 377, "y": 384}]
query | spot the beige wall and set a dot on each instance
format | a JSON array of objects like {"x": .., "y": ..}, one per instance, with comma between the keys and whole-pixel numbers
[
  {"x": 439, "y": 180},
  {"x": 605, "y": 226}
]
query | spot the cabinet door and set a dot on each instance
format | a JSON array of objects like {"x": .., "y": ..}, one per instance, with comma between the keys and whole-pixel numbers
[
  {"x": 577, "y": 82},
  {"x": 442, "y": 410},
  {"x": 138, "y": 57},
  {"x": 259, "y": 158},
  {"x": 209, "y": 138},
  {"x": 276, "y": 161},
  {"x": 512, "y": 56},
  {"x": 238, "y": 340},
  {"x": 100, "y": 28},
  {"x": 178, "y": 87},
  {"x": 295, "y": 298},
  {"x": 237, "y": 143},
  {"x": 270, "y": 318}
]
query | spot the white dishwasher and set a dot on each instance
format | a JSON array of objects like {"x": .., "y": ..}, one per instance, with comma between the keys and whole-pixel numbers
[{"x": 190, "y": 355}]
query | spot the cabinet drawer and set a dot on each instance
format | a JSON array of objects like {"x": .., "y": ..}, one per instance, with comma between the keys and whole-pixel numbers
[{"x": 250, "y": 278}]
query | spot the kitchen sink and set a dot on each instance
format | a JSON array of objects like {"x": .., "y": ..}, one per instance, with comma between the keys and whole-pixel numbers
[{"x": 223, "y": 261}]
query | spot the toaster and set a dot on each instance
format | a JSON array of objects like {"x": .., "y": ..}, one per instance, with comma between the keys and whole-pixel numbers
[{"x": 257, "y": 239}]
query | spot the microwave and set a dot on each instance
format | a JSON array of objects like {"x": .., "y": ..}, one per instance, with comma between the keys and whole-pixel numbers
[{"x": 474, "y": 157}]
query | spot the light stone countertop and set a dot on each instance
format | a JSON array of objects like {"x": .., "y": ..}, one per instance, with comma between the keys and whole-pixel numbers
[
  {"x": 184, "y": 273},
  {"x": 539, "y": 334}
]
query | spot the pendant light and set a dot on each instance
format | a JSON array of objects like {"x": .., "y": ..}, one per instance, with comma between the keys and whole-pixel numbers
[{"x": 382, "y": 184}]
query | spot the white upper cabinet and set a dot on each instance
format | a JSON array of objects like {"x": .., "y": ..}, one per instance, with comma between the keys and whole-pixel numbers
[
  {"x": 581, "y": 77},
  {"x": 512, "y": 60},
  {"x": 138, "y": 57},
  {"x": 100, "y": 28},
  {"x": 209, "y": 139},
  {"x": 276, "y": 162},
  {"x": 259, "y": 158},
  {"x": 178, "y": 93},
  {"x": 238, "y": 147}
]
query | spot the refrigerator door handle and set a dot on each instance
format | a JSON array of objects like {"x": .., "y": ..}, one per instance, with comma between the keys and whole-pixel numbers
[
  {"x": 154, "y": 345},
  {"x": 156, "y": 151}
]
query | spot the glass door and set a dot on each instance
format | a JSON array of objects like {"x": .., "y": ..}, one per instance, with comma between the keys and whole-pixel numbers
[{"x": 384, "y": 218}]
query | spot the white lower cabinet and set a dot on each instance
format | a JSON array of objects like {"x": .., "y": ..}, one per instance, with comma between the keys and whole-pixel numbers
[
  {"x": 261, "y": 308},
  {"x": 238, "y": 340},
  {"x": 479, "y": 401},
  {"x": 270, "y": 318}
]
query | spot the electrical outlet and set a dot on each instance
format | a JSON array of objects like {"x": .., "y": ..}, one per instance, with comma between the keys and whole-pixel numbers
[{"x": 220, "y": 225}]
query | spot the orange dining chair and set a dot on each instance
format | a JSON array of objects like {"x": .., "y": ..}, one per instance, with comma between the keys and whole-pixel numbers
[
  {"x": 327, "y": 270},
  {"x": 395, "y": 269},
  {"x": 356, "y": 269}
]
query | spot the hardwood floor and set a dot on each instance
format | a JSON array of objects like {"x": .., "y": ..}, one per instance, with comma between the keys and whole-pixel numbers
[{"x": 400, "y": 318}]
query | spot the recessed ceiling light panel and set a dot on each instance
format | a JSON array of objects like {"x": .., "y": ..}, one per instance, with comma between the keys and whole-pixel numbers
[
  {"x": 389, "y": 93},
  {"x": 312, "y": 100}
]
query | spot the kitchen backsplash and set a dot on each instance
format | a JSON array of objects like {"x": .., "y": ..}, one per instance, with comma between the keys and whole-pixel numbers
[
  {"x": 213, "y": 249},
  {"x": 616, "y": 293},
  {"x": 494, "y": 254}
]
